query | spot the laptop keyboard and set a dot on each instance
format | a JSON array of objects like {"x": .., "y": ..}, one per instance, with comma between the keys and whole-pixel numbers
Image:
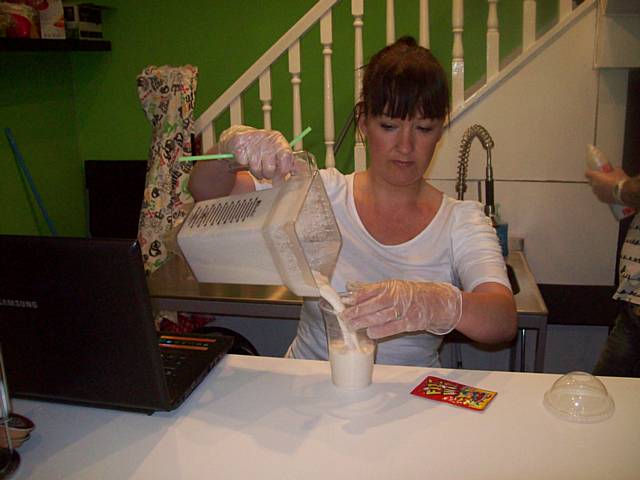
[
  {"x": 176, "y": 350},
  {"x": 172, "y": 362}
]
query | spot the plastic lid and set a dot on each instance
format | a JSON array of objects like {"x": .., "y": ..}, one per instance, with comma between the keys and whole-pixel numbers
[{"x": 579, "y": 397}]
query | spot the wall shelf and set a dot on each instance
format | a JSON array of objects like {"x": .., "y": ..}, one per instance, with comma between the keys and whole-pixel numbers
[{"x": 39, "y": 45}]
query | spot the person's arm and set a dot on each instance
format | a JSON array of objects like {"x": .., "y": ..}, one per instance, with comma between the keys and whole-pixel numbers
[
  {"x": 488, "y": 314},
  {"x": 214, "y": 179},
  {"x": 615, "y": 187}
]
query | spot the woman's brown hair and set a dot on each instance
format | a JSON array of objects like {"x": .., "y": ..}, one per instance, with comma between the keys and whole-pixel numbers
[{"x": 404, "y": 80}]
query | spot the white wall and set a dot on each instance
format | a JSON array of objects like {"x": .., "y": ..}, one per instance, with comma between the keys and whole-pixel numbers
[{"x": 541, "y": 119}]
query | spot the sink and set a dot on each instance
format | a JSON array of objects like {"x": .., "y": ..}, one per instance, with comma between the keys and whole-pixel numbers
[{"x": 513, "y": 280}]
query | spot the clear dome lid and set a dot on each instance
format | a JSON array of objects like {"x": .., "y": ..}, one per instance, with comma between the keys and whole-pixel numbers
[{"x": 579, "y": 397}]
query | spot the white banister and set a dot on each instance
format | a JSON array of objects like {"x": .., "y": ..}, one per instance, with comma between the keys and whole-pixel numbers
[
  {"x": 308, "y": 20},
  {"x": 321, "y": 12},
  {"x": 528, "y": 24},
  {"x": 493, "y": 41},
  {"x": 565, "y": 7},
  {"x": 391, "y": 23},
  {"x": 457, "y": 57},
  {"x": 294, "y": 70},
  {"x": 525, "y": 58},
  {"x": 357, "y": 11},
  {"x": 326, "y": 39},
  {"x": 265, "y": 98},
  {"x": 424, "y": 36},
  {"x": 235, "y": 111},
  {"x": 208, "y": 137}
]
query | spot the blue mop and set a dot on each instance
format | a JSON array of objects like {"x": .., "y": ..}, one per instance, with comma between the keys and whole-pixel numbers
[{"x": 25, "y": 171}]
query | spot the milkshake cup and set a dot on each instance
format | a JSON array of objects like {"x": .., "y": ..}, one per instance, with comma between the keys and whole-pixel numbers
[{"x": 351, "y": 354}]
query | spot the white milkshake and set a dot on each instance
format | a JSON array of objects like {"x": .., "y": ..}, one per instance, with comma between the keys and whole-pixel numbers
[
  {"x": 351, "y": 354},
  {"x": 351, "y": 368}
]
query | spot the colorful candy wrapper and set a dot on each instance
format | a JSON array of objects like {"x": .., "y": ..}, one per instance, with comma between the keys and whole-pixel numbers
[{"x": 443, "y": 390}]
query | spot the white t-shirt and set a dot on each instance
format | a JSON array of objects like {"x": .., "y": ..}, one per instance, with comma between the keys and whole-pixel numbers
[{"x": 459, "y": 246}]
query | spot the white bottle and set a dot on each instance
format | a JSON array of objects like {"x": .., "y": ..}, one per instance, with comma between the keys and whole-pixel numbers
[{"x": 596, "y": 160}]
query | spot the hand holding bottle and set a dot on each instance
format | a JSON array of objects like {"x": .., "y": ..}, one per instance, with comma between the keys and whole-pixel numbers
[
  {"x": 603, "y": 182},
  {"x": 606, "y": 182}
]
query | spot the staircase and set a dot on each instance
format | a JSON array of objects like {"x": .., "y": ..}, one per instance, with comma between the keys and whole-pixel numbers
[{"x": 322, "y": 13}]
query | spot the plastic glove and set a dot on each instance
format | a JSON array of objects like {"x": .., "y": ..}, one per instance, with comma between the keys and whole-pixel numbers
[
  {"x": 266, "y": 152},
  {"x": 396, "y": 306}
]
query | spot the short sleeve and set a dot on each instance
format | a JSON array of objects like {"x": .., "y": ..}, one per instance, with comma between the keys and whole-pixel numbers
[
  {"x": 477, "y": 256},
  {"x": 332, "y": 179}
]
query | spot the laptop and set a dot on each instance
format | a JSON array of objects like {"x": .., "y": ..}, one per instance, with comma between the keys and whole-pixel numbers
[{"x": 77, "y": 326}]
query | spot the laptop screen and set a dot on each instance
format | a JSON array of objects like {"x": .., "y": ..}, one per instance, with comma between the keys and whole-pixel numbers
[{"x": 76, "y": 322}]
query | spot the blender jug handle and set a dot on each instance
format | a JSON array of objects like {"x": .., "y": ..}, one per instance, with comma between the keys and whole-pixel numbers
[{"x": 305, "y": 163}]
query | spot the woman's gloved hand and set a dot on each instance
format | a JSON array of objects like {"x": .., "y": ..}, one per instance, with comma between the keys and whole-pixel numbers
[
  {"x": 266, "y": 152},
  {"x": 395, "y": 306}
]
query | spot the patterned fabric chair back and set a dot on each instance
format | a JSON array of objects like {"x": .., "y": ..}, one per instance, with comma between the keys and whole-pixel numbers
[{"x": 167, "y": 95}]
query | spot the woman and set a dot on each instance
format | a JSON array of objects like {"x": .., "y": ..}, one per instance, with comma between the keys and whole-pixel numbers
[{"x": 407, "y": 248}]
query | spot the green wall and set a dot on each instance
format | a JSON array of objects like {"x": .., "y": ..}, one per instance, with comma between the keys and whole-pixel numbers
[{"x": 68, "y": 107}]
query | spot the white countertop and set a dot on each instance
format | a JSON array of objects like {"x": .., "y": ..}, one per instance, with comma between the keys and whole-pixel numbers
[{"x": 270, "y": 418}]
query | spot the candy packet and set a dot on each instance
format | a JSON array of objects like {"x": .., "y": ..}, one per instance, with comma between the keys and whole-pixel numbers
[{"x": 443, "y": 390}]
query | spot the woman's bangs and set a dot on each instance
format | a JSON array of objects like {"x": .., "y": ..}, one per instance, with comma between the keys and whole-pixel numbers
[{"x": 402, "y": 97}]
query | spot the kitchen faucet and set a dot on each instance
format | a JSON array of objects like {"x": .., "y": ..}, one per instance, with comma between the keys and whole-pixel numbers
[{"x": 463, "y": 160}]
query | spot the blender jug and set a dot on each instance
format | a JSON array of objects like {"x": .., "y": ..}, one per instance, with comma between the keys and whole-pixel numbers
[{"x": 277, "y": 236}]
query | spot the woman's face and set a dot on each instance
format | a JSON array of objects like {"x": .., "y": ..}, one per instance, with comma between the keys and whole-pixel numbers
[{"x": 400, "y": 150}]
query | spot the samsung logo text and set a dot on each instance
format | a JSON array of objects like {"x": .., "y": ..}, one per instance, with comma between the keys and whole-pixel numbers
[{"x": 10, "y": 302}]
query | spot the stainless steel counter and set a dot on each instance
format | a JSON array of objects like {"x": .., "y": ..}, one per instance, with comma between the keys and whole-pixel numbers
[
  {"x": 173, "y": 287},
  {"x": 532, "y": 312},
  {"x": 529, "y": 300}
]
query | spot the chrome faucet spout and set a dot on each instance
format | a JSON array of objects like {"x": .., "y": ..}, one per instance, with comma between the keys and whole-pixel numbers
[{"x": 481, "y": 133}]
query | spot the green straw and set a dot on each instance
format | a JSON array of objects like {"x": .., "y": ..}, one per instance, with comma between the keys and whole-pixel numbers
[
  {"x": 296, "y": 140},
  {"x": 218, "y": 156}
]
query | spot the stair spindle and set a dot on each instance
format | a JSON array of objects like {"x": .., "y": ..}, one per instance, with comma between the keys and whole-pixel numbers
[
  {"x": 391, "y": 23},
  {"x": 208, "y": 137},
  {"x": 457, "y": 60},
  {"x": 493, "y": 41},
  {"x": 235, "y": 111},
  {"x": 357, "y": 11},
  {"x": 264, "y": 82},
  {"x": 528, "y": 24},
  {"x": 424, "y": 37},
  {"x": 326, "y": 39},
  {"x": 294, "y": 70}
]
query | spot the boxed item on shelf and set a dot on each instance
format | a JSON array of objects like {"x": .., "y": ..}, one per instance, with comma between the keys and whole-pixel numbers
[
  {"x": 83, "y": 20},
  {"x": 52, "y": 20}
]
